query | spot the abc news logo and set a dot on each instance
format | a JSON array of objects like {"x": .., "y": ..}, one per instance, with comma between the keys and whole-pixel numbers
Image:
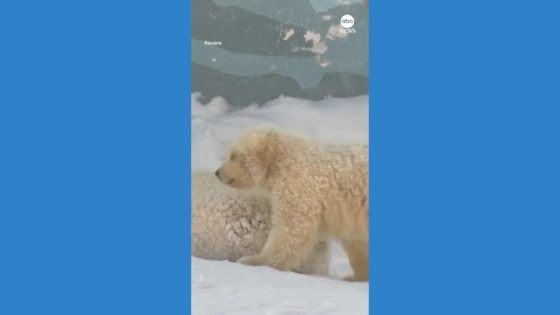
[{"x": 347, "y": 21}]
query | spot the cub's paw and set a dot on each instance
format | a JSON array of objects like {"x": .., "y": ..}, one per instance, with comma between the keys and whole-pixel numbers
[{"x": 253, "y": 260}]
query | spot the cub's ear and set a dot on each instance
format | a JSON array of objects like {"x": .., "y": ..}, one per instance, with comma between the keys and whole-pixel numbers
[{"x": 252, "y": 139}]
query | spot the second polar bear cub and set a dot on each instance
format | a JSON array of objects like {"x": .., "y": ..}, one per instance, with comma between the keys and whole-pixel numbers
[{"x": 317, "y": 191}]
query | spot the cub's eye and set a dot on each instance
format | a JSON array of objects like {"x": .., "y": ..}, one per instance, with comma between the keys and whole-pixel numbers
[{"x": 232, "y": 156}]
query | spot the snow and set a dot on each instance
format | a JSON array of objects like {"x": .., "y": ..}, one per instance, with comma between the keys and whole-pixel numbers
[{"x": 221, "y": 287}]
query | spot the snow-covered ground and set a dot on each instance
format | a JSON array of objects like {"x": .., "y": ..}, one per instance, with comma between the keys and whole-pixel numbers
[{"x": 220, "y": 287}]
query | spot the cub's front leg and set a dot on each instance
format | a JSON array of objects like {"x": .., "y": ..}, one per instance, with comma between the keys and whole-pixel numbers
[{"x": 291, "y": 238}]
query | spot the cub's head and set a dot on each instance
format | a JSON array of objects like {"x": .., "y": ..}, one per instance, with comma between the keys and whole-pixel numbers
[{"x": 249, "y": 160}]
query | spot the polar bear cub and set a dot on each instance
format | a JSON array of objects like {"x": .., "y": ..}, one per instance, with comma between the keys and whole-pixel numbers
[{"x": 317, "y": 191}]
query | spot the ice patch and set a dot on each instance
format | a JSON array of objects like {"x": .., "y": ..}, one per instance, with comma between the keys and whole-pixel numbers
[{"x": 289, "y": 34}]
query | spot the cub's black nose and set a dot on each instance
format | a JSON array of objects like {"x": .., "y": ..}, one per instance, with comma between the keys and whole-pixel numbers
[{"x": 217, "y": 173}]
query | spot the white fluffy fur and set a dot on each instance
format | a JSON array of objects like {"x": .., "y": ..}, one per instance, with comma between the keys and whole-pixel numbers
[{"x": 317, "y": 191}]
